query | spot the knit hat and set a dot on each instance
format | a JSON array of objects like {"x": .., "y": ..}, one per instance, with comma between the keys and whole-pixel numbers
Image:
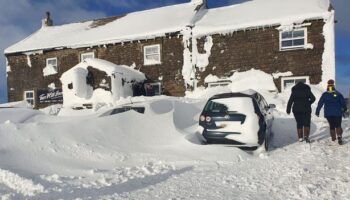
[
  {"x": 330, "y": 86},
  {"x": 330, "y": 82}
]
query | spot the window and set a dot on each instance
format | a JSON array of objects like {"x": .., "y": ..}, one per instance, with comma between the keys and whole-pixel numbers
[
  {"x": 83, "y": 56},
  {"x": 288, "y": 82},
  {"x": 52, "y": 64},
  {"x": 29, "y": 97},
  {"x": 293, "y": 39},
  {"x": 219, "y": 83},
  {"x": 153, "y": 89},
  {"x": 152, "y": 54}
]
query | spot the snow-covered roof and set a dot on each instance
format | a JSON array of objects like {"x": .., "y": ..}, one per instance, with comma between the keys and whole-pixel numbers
[
  {"x": 259, "y": 13},
  {"x": 108, "y": 67},
  {"x": 138, "y": 25},
  {"x": 157, "y": 22}
]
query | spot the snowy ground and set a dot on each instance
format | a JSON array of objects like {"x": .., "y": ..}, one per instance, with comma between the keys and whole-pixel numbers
[{"x": 157, "y": 155}]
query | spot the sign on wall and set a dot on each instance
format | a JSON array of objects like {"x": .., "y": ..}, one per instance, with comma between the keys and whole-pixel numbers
[{"x": 50, "y": 96}]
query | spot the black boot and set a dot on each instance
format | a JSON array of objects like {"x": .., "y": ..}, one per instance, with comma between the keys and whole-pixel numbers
[
  {"x": 339, "y": 132},
  {"x": 306, "y": 134},
  {"x": 340, "y": 141}
]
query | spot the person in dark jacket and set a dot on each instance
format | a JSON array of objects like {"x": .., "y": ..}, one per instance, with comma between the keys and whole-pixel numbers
[
  {"x": 301, "y": 100},
  {"x": 334, "y": 109}
]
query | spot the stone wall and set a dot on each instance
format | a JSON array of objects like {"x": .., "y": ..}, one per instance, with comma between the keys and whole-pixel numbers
[
  {"x": 259, "y": 49},
  {"x": 23, "y": 77},
  {"x": 240, "y": 51}
]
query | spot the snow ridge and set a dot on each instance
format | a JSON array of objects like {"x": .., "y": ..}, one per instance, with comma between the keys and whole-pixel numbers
[{"x": 19, "y": 184}]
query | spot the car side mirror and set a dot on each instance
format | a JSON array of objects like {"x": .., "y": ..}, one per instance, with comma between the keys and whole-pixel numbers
[{"x": 272, "y": 106}]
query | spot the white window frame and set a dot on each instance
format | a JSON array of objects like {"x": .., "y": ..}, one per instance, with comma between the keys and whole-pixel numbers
[
  {"x": 33, "y": 98},
  {"x": 296, "y": 38},
  {"x": 50, "y": 59},
  {"x": 219, "y": 83},
  {"x": 147, "y": 62},
  {"x": 86, "y": 54},
  {"x": 159, "y": 84},
  {"x": 307, "y": 78}
]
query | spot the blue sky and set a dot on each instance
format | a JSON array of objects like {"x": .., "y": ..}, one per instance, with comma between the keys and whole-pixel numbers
[{"x": 20, "y": 18}]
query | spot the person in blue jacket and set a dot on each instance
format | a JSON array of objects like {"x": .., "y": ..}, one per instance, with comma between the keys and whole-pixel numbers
[{"x": 334, "y": 109}]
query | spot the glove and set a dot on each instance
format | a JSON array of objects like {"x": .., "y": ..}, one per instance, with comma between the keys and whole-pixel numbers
[{"x": 288, "y": 111}]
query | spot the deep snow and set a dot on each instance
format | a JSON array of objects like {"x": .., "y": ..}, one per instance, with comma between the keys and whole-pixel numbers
[{"x": 157, "y": 155}]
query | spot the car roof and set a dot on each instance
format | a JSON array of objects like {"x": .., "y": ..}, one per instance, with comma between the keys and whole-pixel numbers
[{"x": 247, "y": 93}]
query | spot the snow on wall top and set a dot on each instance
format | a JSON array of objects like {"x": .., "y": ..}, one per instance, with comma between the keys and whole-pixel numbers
[
  {"x": 138, "y": 25},
  {"x": 259, "y": 13}
]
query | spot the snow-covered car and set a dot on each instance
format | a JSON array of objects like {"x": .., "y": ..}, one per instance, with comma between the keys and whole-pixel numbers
[{"x": 241, "y": 119}]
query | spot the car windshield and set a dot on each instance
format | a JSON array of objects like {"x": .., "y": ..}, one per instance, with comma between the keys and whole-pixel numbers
[{"x": 242, "y": 105}]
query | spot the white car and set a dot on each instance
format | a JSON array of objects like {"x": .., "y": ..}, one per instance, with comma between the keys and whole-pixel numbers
[{"x": 242, "y": 119}]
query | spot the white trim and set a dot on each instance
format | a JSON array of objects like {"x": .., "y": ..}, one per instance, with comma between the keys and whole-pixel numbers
[
  {"x": 307, "y": 78},
  {"x": 219, "y": 83},
  {"x": 86, "y": 54},
  {"x": 25, "y": 96},
  {"x": 55, "y": 59},
  {"x": 296, "y": 38},
  {"x": 159, "y": 84},
  {"x": 145, "y": 61}
]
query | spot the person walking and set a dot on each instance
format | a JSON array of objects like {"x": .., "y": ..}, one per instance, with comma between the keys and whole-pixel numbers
[
  {"x": 301, "y": 100},
  {"x": 334, "y": 108}
]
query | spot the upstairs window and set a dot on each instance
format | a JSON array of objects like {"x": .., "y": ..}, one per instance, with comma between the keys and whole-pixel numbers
[
  {"x": 294, "y": 39},
  {"x": 84, "y": 56},
  {"x": 29, "y": 97},
  {"x": 52, "y": 63},
  {"x": 152, "y": 54},
  {"x": 219, "y": 83}
]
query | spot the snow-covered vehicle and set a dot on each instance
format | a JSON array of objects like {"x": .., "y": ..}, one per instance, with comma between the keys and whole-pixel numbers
[{"x": 241, "y": 119}]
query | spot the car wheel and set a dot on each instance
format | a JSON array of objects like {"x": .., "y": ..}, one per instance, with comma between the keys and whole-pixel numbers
[
  {"x": 264, "y": 147},
  {"x": 266, "y": 143}
]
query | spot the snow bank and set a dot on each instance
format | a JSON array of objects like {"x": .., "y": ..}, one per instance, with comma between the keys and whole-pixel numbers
[
  {"x": 17, "y": 104},
  {"x": 157, "y": 155},
  {"x": 19, "y": 184},
  {"x": 17, "y": 115},
  {"x": 241, "y": 81}
]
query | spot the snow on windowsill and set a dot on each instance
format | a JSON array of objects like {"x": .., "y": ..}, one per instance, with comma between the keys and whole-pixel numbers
[
  {"x": 152, "y": 63},
  {"x": 49, "y": 70}
]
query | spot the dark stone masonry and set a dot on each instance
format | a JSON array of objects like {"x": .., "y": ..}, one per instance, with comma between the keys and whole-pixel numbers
[{"x": 240, "y": 51}]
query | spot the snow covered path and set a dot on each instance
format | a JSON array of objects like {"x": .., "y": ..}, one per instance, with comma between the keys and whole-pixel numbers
[{"x": 157, "y": 156}]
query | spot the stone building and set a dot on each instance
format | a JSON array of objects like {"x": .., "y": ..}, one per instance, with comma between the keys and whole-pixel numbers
[{"x": 178, "y": 46}]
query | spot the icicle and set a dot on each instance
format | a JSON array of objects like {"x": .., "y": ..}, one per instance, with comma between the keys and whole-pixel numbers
[{"x": 29, "y": 63}]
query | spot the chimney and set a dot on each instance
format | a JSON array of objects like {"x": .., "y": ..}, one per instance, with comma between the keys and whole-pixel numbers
[{"x": 47, "y": 21}]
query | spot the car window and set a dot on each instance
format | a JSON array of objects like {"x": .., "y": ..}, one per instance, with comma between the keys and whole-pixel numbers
[
  {"x": 242, "y": 105},
  {"x": 215, "y": 107}
]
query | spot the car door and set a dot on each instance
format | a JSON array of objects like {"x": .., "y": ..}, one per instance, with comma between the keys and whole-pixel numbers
[{"x": 267, "y": 111}]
